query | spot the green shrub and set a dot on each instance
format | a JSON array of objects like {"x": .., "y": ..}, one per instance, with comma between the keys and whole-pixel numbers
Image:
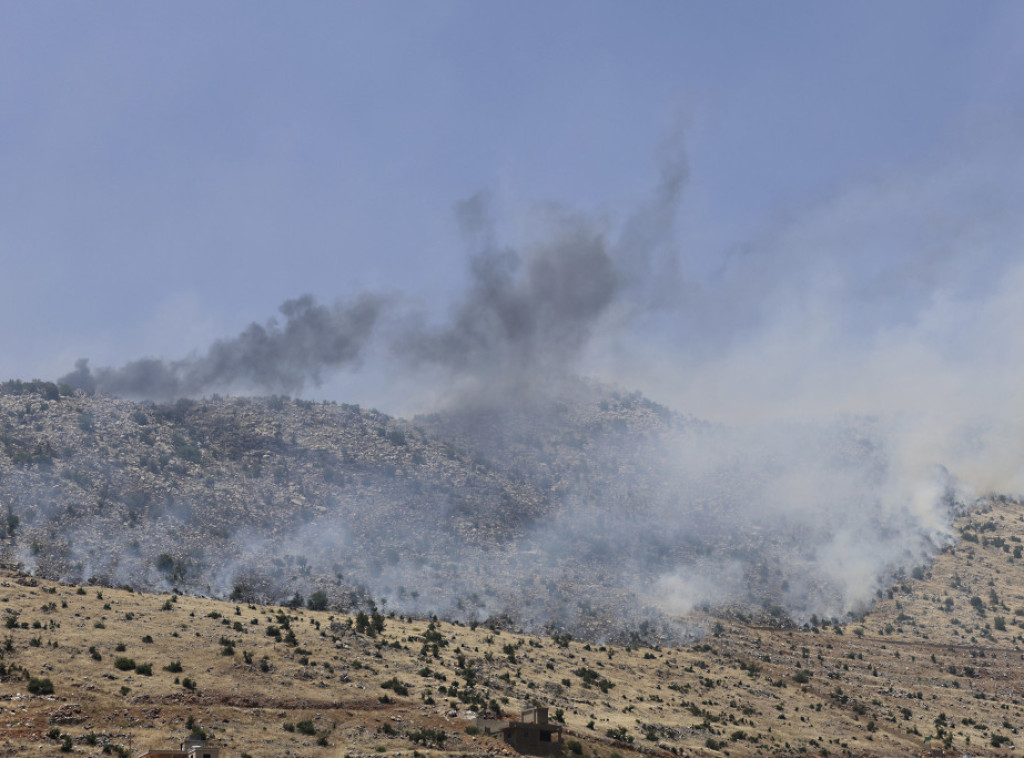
[
  {"x": 40, "y": 686},
  {"x": 124, "y": 664},
  {"x": 396, "y": 686},
  {"x": 428, "y": 737},
  {"x": 619, "y": 734}
]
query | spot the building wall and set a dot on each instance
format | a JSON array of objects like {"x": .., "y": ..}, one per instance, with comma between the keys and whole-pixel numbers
[
  {"x": 531, "y": 736},
  {"x": 534, "y": 739},
  {"x": 189, "y": 749}
]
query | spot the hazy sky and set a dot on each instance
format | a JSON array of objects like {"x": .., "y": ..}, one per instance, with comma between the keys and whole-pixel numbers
[
  {"x": 762, "y": 213},
  {"x": 170, "y": 172}
]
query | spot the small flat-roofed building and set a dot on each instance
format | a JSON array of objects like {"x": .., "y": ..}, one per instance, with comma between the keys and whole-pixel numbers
[
  {"x": 532, "y": 735},
  {"x": 192, "y": 746}
]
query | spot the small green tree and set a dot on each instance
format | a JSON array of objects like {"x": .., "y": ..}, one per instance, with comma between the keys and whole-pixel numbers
[
  {"x": 362, "y": 622},
  {"x": 317, "y": 601},
  {"x": 165, "y": 563}
]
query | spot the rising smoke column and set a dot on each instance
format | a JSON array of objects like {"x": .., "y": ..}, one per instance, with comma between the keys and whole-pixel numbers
[
  {"x": 527, "y": 318},
  {"x": 269, "y": 357},
  {"x": 522, "y": 325},
  {"x": 523, "y": 321}
]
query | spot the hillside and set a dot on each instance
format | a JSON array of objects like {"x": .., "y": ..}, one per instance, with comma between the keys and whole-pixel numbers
[
  {"x": 321, "y": 579},
  {"x": 934, "y": 668},
  {"x": 585, "y": 510},
  {"x": 258, "y": 499}
]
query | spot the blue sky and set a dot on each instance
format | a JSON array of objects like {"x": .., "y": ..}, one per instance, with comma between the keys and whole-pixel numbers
[{"x": 170, "y": 172}]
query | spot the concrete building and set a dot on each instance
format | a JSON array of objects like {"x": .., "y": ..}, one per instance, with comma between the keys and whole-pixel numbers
[
  {"x": 192, "y": 746},
  {"x": 533, "y": 735}
]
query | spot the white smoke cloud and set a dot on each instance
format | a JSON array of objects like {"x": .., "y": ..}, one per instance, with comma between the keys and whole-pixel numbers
[
  {"x": 892, "y": 308},
  {"x": 860, "y": 364}
]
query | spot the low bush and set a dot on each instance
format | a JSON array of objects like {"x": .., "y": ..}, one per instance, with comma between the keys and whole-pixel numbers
[{"x": 40, "y": 686}]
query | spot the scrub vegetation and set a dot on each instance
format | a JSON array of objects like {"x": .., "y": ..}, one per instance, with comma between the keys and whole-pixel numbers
[{"x": 89, "y": 671}]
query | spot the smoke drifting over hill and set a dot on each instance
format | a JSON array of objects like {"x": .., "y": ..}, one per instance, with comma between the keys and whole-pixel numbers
[
  {"x": 860, "y": 363},
  {"x": 271, "y": 358},
  {"x": 523, "y": 324},
  {"x": 525, "y": 319}
]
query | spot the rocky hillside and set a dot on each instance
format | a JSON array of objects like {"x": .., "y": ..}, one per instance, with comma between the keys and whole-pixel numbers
[
  {"x": 933, "y": 669},
  {"x": 260, "y": 499},
  {"x": 587, "y": 510}
]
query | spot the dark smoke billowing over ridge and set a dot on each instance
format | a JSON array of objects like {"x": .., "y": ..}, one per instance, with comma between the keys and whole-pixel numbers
[
  {"x": 864, "y": 355},
  {"x": 525, "y": 319},
  {"x": 269, "y": 358}
]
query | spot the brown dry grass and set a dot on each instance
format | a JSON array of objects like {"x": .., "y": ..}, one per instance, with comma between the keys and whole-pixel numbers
[{"x": 910, "y": 676}]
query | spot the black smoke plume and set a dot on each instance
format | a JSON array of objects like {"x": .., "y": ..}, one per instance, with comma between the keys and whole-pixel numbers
[
  {"x": 268, "y": 357},
  {"x": 524, "y": 320}
]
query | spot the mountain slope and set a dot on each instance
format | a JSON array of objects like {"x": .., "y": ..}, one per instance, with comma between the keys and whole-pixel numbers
[
  {"x": 932, "y": 669},
  {"x": 583, "y": 510},
  {"x": 262, "y": 498}
]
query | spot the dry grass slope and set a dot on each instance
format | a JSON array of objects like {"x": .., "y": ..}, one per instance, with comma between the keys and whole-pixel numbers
[{"x": 935, "y": 668}]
